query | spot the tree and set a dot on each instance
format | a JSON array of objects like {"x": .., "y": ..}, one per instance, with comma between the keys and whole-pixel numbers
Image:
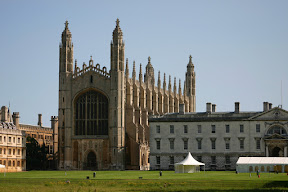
[{"x": 36, "y": 156}]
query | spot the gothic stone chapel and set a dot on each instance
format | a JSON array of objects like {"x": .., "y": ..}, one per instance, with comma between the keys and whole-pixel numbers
[{"x": 103, "y": 115}]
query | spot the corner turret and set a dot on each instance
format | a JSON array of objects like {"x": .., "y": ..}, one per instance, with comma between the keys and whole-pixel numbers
[
  {"x": 190, "y": 85},
  {"x": 149, "y": 74},
  {"x": 117, "y": 104},
  {"x": 117, "y": 49},
  {"x": 66, "y": 50}
]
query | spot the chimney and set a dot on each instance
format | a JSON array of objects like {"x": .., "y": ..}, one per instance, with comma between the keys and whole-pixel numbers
[
  {"x": 265, "y": 106},
  {"x": 213, "y": 107},
  {"x": 182, "y": 109},
  {"x": 4, "y": 114},
  {"x": 237, "y": 107},
  {"x": 208, "y": 108},
  {"x": 270, "y": 106},
  {"x": 16, "y": 117},
  {"x": 40, "y": 120}
]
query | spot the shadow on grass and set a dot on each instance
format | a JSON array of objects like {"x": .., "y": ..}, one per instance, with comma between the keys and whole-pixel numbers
[
  {"x": 236, "y": 190},
  {"x": 278, "y": 184}
]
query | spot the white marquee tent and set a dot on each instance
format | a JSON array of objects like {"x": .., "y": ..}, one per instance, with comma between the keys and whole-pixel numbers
[
  {"x": 188, "y": 165},
  {"x": 262, "y": 164},
  {"x": 2, "y": 167}
]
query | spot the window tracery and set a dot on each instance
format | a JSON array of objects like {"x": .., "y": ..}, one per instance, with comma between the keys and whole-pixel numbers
[{"x": 91, "y": 114}]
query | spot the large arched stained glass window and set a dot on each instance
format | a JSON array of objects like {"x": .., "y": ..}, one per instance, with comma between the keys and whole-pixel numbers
[{"x": 91, "y": 114}]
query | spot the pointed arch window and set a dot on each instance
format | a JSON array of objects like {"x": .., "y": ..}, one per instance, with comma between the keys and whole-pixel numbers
[{"x": 91, "y": 114}]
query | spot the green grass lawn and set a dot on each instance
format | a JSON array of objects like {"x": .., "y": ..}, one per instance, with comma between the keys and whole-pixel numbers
[{"x": 151, "y": 181}]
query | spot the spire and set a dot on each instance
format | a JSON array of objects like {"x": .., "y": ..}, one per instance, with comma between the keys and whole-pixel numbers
[
  {"x": 159, "y": 80},
  {"x": 175, "y": 87},
  {"x": 164, "y": 82},
  {"x": 190, "y": 65},
  {"x": 134, "y": 71},
  {"x": 75, "y": 68},
  {"x": 127, "y": 69},
  {"x": 66, "y": 36},
  {"x": 190, "y": 77},
  {"x": 140, "y": 74},
  {"x": 184, "y": 93},
  {"x": 117, "y": 34},
  {"x": 190, "y": 60},
  {"x": 66, "y": 51},
  {"x": 169, "y": 84},
  {"x": 149, "y": 61},
  {"x": 66, "y": 24},
  {"x": 117, "y": 50},
  {"x": 180, "y": 90}
]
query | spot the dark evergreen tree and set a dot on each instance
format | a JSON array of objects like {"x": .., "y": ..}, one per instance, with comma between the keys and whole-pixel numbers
[{"x": 36, "y": 156}]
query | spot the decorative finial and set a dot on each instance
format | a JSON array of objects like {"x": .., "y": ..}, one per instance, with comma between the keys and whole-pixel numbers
[
  {"x": 140, "y": 68},
  {"x": 140, "y": 74},
  {"x": 134, "y": 71},
  {"x": 66, "y": 24},
  {"x": 127, "y": 68},
  {"x": 159, "y": 80},
  {"x": 169, "y": 84},
  {"x": 184, "y": 88},
  {"x": 180, "y": 90},
  {"x": 164, "y": 82},
  {"x": 190, "y": 60},
  {"x": 149, "y": 59},
  {"x": 90, "y": 57},
  {"x": 127, "y": 64},
  {"x": 75, "y": 69},
  {"x": 117, "y": 22}
]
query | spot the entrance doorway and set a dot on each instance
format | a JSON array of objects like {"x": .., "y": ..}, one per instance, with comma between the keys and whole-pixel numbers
[
  {"x": 275, "y": 152},
  {"x": 91, "y": 161}
]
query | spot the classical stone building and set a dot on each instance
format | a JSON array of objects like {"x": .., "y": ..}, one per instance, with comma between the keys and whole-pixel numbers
[
  {"x": 43, "y": 135},
  {"x": 12, "y": 143},
  {"x": 218, "y": 138},
  {"x": 103, "y": 114}
]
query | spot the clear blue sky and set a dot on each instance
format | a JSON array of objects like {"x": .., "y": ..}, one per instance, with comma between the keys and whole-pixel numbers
[{"x": 239, "y": 48}]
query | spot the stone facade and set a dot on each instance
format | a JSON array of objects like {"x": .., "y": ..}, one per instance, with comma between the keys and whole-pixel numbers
[
  {"x": 103, "y": 115},
  {"x": 43, "y": 135},
  {"x": 12, "y": 144},
  {"x": 217, "y": 138}
]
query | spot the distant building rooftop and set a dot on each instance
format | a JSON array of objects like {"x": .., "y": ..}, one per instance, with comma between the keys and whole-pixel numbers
[{"x": 204, "y": 116}]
